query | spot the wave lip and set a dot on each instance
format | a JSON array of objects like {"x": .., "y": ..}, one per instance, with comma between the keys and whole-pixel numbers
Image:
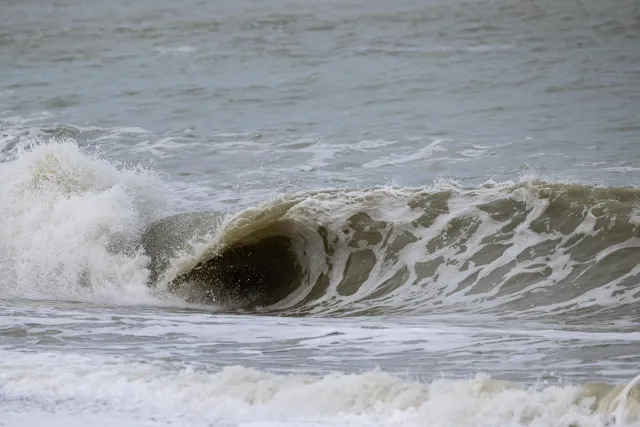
[
  {"x": 251, "y": 259},
  {"x": 255, "y": 267},
  {"x": 536, "y": 248}
]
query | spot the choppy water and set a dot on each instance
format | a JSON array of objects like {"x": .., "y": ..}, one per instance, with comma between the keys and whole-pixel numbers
[{"x": 336, "y": 213}]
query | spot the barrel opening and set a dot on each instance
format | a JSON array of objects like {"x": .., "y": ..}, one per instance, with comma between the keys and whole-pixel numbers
[{"x": 258, "y": 274}]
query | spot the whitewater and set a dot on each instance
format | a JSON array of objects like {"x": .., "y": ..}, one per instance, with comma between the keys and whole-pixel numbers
[
  {"x": 338, "y": 213},
  {"x": 378, "y": 278}
]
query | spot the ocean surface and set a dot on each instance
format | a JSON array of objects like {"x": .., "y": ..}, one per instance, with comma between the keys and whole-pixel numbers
[{"x": 333, "y": 213}]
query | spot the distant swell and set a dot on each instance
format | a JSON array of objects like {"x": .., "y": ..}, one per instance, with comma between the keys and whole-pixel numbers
[{"x": 533, "y": 248}]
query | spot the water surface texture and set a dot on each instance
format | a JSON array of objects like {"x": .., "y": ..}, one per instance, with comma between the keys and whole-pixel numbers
[{"x": 337, "y": 213}]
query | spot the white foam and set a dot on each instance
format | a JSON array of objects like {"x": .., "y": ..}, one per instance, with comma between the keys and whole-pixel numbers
[
  {"x": 168, "y": 50},
  {"x": 68, "y": 223},
  {"x": 425, "y": 152},
  {"x": 621, "y": 169},
  {"x": 65, "y": 385}
]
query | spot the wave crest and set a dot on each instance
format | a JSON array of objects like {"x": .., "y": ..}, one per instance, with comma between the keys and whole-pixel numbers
[{"x": 534, "y": 247}]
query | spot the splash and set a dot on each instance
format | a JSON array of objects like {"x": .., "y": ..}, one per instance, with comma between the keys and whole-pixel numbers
[{"x": 70, "y": 226}]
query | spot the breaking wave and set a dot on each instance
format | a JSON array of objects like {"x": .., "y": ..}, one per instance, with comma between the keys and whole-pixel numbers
[
  {"x": 70, "y": 226},
  {"x": 78, "y": 227},
  {"x": 534, "y": 247}
]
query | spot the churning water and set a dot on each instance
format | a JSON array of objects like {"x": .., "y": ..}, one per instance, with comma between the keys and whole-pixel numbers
[{"x": 320, "y": 213}]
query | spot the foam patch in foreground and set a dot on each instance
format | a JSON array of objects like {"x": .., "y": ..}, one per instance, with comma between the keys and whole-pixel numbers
[{"x": 73, "y": 386}]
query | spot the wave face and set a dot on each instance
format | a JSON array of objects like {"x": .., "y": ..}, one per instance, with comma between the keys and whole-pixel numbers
[{"x": 534, "y": 248}]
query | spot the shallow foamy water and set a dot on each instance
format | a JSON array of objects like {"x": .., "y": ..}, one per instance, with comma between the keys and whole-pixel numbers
[{"x": 71, "y": 363}]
